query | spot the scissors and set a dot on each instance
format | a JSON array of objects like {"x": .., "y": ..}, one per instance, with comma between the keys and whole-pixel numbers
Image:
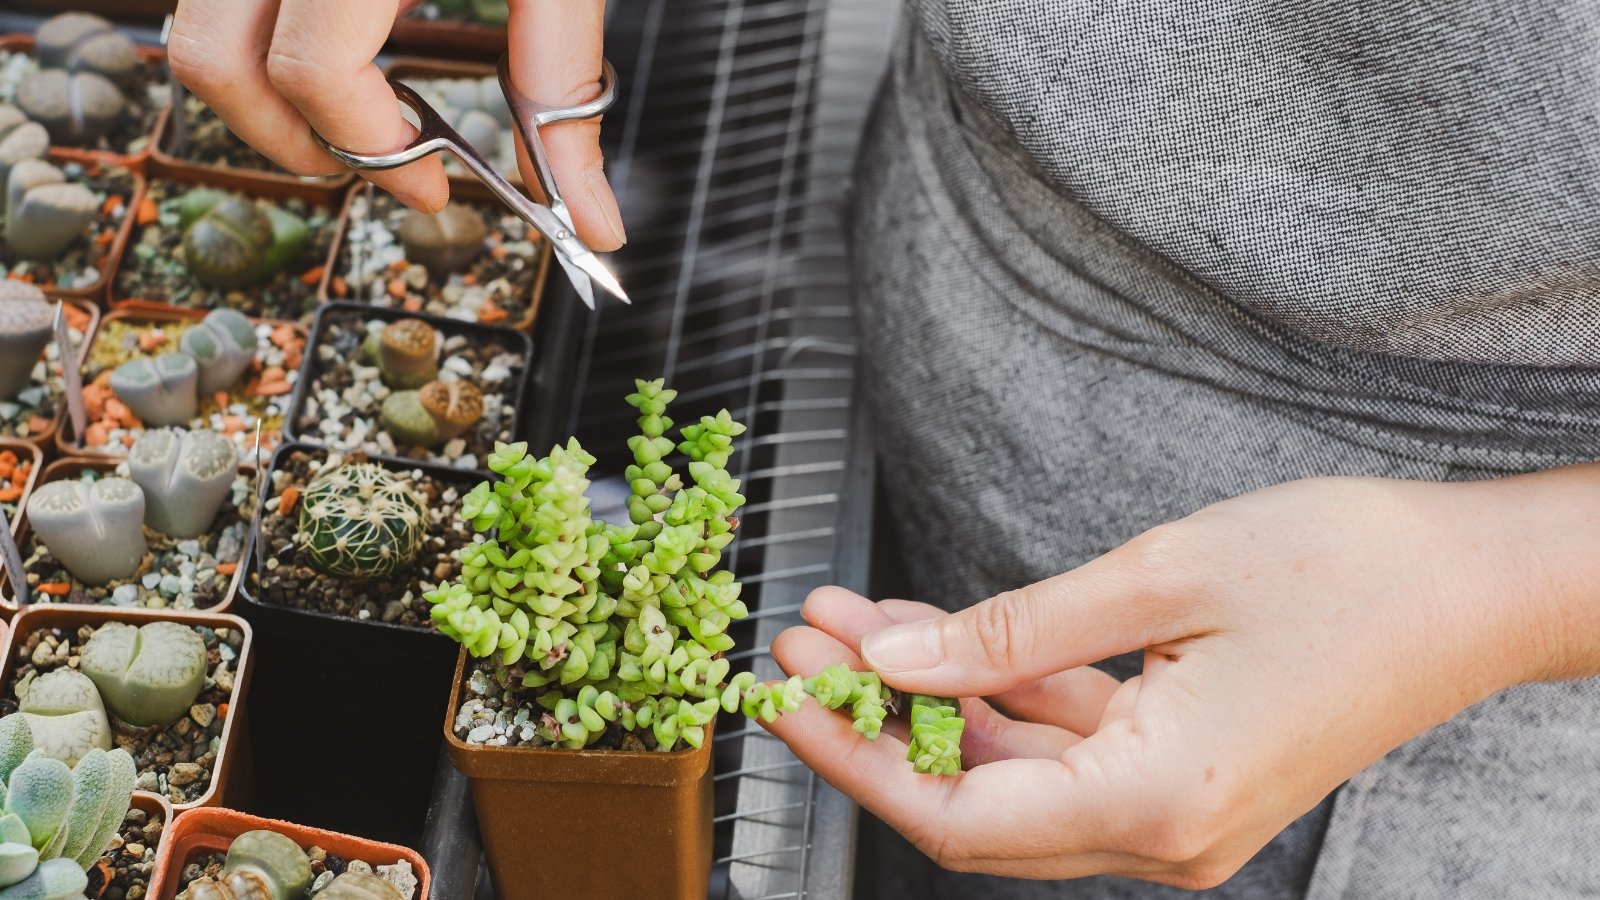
[{"x": 551, "y": 219}]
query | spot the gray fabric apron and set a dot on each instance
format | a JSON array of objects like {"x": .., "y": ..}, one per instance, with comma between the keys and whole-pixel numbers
[{"x": 1120, "y": 260}]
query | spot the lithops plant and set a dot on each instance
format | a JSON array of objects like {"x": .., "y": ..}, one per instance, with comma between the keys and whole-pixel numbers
[
  {"x": 185, "y": 475},
  {"x": 261, "y": 865},
  {"x": 223, "y": 346},
  {"x": 95, "y": 529},
  {"x": 72, "y": 106},
  {"x": 360, "y": 521},
  {"x": 20, "y": 139},
  {"x": 359, "y": 886},
  {"x": 439, "y": 412},
  {"x": 408, "y": 353},
  {"x": 406, "y": 420},
  {"x": 25, "y": 318},
  {"x": 44, "y": 213},
  {"x": 446, "y": 242},
  {"x": 231, "y": 241},
  {"x": 161, "y": 390},
  {"x": 81, "y": 42},
  {"x": 149, "y": 675},
  {"x": 65, "y": 716}
]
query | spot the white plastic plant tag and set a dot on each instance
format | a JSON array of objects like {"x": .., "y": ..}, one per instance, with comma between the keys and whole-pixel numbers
[
  {"x": 11, "y": 558},
  {"x": 71, "y": 378},
  {"x": 261, "y": 497}
]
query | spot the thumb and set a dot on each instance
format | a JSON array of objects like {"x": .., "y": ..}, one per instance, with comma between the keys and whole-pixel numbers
[{"x": 1123, "y": 601}]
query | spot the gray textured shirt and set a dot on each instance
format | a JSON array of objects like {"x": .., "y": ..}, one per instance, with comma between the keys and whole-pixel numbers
[{"x": 1123, "y": 258}]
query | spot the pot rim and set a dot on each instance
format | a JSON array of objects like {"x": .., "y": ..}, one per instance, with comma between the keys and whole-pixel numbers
[
  {"x": 36, "y": 455},
  {"x": 152, "y": 57}
]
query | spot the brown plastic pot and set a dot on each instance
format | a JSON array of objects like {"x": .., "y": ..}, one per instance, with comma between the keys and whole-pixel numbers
[
  {"x": 246, "y": 183},
  {"x": 73, "y": 467},
  {"x": 142, "y": 312},
  {"x": 97, "y": 292},
  {"x": 164, "y": 165},
  {"x": 154, "y": 58},
  {"x": 442, "y": 37},
  {"x": 156, "y": 808},
  {"x": 148, "y": 10},
  {"x": 45, "y": 439},
  {"x": 24, "y": 450},
  {"x": 213, "y": 830},
  {"x": 230, "y": 777},
  {"x": 637, "y": 823}
]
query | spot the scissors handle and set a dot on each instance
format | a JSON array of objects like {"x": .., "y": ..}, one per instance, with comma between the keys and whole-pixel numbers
[{"x": 531, "y": 115}]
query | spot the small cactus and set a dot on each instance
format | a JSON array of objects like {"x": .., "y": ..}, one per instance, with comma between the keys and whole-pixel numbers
[
  {"x": 95, "y": 529},
  {"x": 359, "y": 886},
  {"x": 24, "y": 332},
  {"x": 261, "y": 865},
  {"x": 231, "y": 241},
  {"x": 455, "y": 406},
  {"x": 62, "y": 716},
  {"x": 186, "y": 476},
  {"x": 44, "y": 213},
  {"x": 149, "y": 675},
  {"x": 361, "y": 521},
  {"x": 161, "y": 391},
  {"x": 223, "y": 347},
  {"x": 408, "y": 353}
]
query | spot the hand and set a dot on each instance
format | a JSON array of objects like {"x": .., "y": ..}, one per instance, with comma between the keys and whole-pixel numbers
[
  {"x": 1291, "y": 637},
  {"x": 274, "y": 71}
]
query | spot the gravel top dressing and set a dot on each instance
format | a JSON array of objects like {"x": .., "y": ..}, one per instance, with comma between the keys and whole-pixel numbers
[
  {"x": 34, "y": 410},
  {"x": 146, "y": 98}
]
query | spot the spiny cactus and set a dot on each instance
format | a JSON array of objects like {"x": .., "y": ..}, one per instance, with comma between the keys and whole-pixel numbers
[
  {"x": 223, "y": 346},
  {"x": 261, "y": 865},
  {"x": 44, "y": 213},
  {"x": 361, "y": 521},
  {"x": 63, "y": 717},
  {"x": 149, "y": 675},
  {"x": 186, "y": 476},
  {"x": 231, "y": 241},
  {"x": 162, "y": 390},
  {"x": 408, "y": 353},
  {"x": 25, "y": 318},
  {"x": 95, "y": 529}
]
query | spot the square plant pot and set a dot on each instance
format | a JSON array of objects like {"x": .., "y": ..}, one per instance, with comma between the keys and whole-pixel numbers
[
  {"x": 415, "y": 33},
  {"x": 216, "y": 560},
  {"x": 36, "y": 414},
  {"x": 86, "y": 267},
  {"x": 339, "y": 398},
  {"x": 20, "y": 465},
  {"x": 381, "y": 669},
  {"x": 152, "y": 266},
  {"x": 216, "y": 152},
  {"x": 199, "y": 834},
  {"x": 146, "y": 329},
  {"x": 208, "y": 778},
  {"x": 129, "y": 142},
  {"x": 639, "y": 821},
  {"x": 502, "y": 285},
  {"x": 130, "y": 864}
]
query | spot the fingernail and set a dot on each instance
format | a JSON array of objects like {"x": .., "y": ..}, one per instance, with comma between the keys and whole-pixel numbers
[
  {"x": 600, "y": 190},
  {"x": 902, "y": 648}
]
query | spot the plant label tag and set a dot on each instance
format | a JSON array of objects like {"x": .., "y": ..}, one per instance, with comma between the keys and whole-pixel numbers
[
  {"x": 257, "y": 544},
  {"x": 71, "y": 378},
  {"x": 11, "y": 558}
]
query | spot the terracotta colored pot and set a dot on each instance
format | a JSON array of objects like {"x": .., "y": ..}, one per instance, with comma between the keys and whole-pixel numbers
[
  {"x": 142, "y": 312},
  {"x": 230, "y": 777},
  {"x": 154, "y": 58},
  {"x": 156, "y": 809},
  {"x": 213, "y": 830},
  {"x": 165, "y": 165},
  {"x": 45, "y": 440},
  {"x": 440, "y": 37},
  {"x": 29, "y": 452},
  {"x": 96, "y": 293},
  {"x": 638, "y": 824},
  {"x": 250, "y": 184},
  {"x": 72, "y": 467},
  {"x": 147, "y": 10}
]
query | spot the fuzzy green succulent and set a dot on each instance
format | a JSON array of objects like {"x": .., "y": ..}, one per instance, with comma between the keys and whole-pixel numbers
[
  {"x": 361, "y": 521},
  {"x": 623, "y": 626}
]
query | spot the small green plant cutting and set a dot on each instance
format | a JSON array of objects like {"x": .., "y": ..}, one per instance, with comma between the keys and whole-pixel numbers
[{"x": 618, "y": 632}]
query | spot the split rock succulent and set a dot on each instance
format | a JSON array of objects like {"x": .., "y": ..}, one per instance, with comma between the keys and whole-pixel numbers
[
  {"x": 149, "y": 675},
  {"x": 185, "y": 475},
  {"x": 25, "y": 319},
  {"x": 96, "y": 529}
]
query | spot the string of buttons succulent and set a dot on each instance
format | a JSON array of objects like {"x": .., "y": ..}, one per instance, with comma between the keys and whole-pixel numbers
[{"x": 617, "y": 632}]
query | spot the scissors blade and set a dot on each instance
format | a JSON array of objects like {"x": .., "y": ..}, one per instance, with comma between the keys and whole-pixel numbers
[{"x": 579, "y": 279}]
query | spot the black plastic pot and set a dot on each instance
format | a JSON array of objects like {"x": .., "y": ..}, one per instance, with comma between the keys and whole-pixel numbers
[
  {"x": 345, "y": 712},
  {"x": 312, "y": 368}
]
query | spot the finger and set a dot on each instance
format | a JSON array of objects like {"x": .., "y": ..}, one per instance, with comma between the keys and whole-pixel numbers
[
  {"x": 1126, "y": 600},
  {"x": 1074, "y": 699},
  {"x": 218, "y": 50},
  {"x": 555, "y": 56},
  {"x": 321, "y": 60}
]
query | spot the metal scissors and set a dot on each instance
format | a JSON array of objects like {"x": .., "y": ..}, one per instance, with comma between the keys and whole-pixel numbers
[{"x": 551, "y": 219}]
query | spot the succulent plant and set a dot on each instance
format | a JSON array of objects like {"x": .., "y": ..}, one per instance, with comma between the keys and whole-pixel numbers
[
  {"x": 231, "y": 241},
  {"x": 76, "y": 819},
  {"x": 81, "y": 42},
  {"x": 494, "y": 12},
  {"x": 95, "y": 530},
  {"x": 223, "y": 346},
  {"x": 936, "y": 727},
  {"x": 185, "y": 475},
  {"x": 25, "y": 319},
  {"x": 72, "y": 106},
  {"x": 44, "y": 213},
  {"x": 361, "y": 521},
  {"x": 406, "y": 420},
  {"x": 437, "y": 413},
  {"x": 408, "y": 353},
  {"x": 359, "y": 886},
  {"x": 64, "y": 715},
  {"x": 446, "y": 242},
  {"x": 149, "y": 675},
  {"x": 161, "y": 390},
  {"x": 20, "y": 139},
  {"x": 261, "y": 865}
]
